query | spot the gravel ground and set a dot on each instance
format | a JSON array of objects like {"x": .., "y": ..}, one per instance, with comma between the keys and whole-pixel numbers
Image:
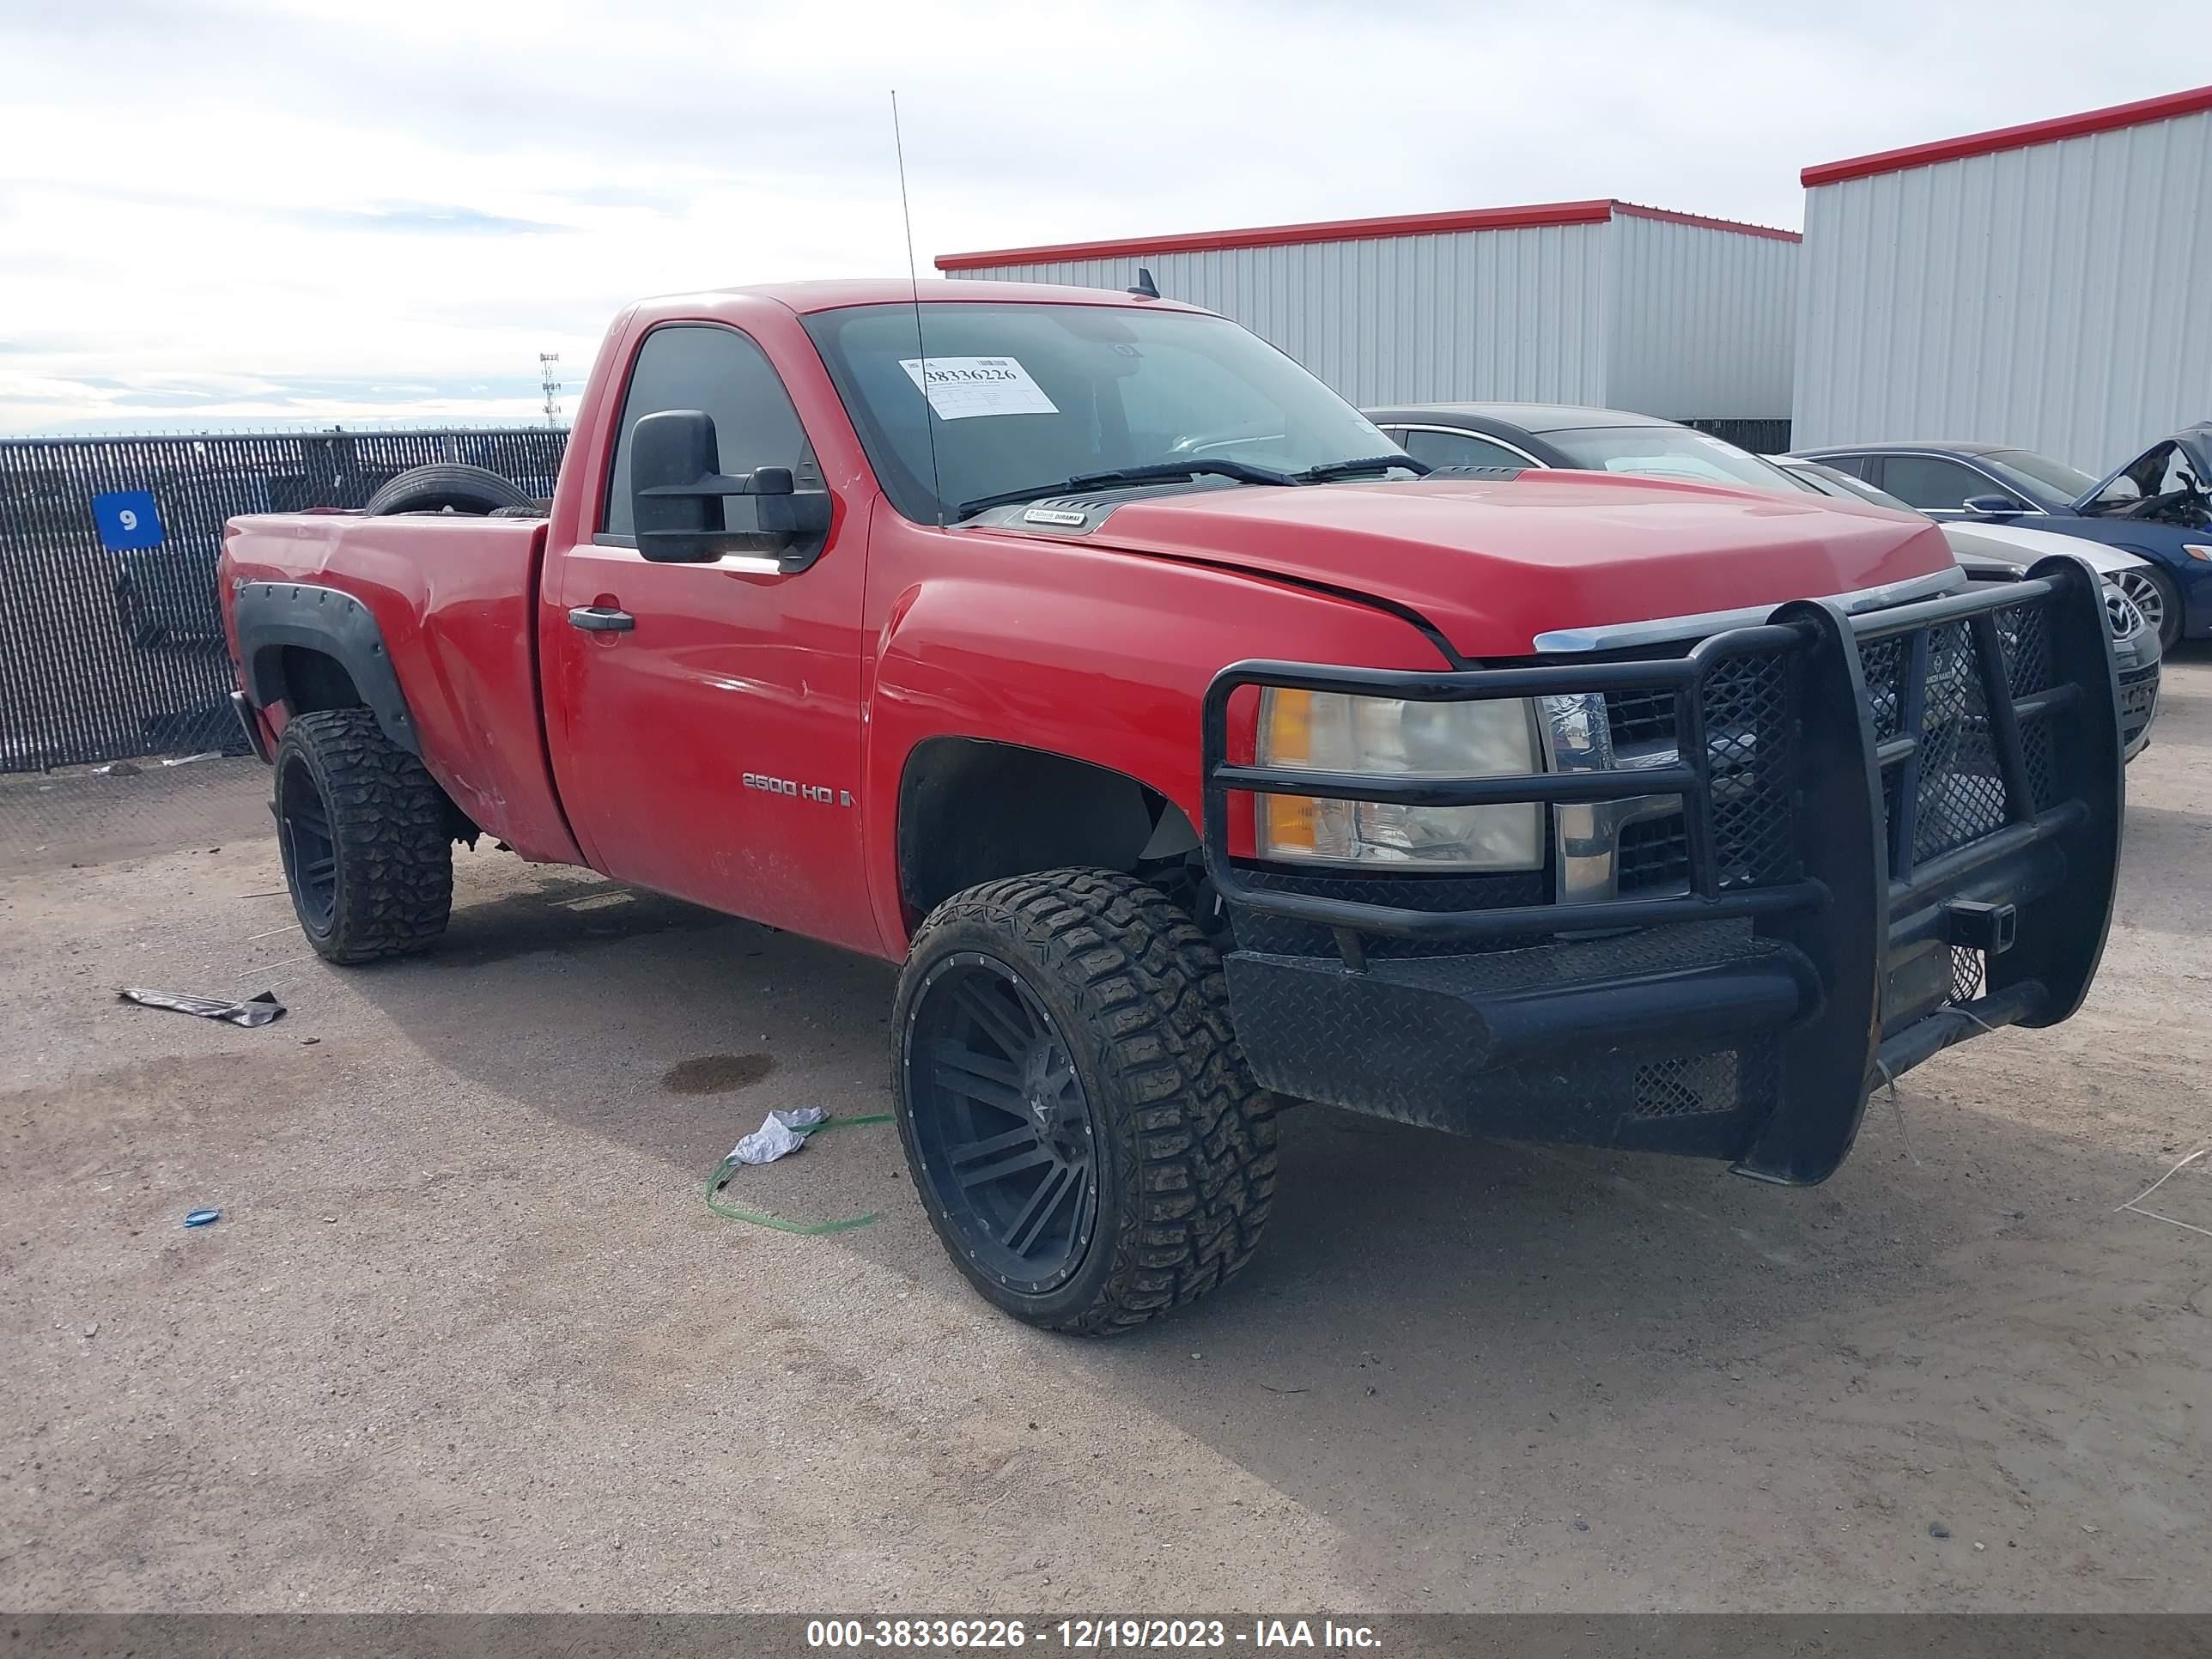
[{"x": 466, "y": 1337}]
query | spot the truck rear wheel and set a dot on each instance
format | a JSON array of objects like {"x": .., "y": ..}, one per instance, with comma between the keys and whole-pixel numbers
[
  {"x": 363, "y": 831},
  {"x": 1079, "y": 1120}
]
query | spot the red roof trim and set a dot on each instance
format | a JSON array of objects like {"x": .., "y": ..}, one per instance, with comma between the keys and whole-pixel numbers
[
  {"x": 2110, "y": 119},
  {"x": 1346, "y": 230}
]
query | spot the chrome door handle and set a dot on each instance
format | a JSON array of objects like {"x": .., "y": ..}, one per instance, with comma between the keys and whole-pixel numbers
[{"x": 600, "y": 619}]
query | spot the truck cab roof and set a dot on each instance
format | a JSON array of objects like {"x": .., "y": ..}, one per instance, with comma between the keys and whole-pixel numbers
[{"x": 808, "y": 297}]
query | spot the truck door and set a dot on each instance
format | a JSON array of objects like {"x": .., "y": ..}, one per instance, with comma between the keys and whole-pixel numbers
[{"x": 705, "y": 721}]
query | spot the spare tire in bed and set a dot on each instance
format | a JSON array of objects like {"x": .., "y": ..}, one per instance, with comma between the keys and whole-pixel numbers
[{"x": 446, "y": 485}]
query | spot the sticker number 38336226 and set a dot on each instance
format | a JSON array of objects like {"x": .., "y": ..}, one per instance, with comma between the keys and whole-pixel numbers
[{"x": 960, "y": 388}]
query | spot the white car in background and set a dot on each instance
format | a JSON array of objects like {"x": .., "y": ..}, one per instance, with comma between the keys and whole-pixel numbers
[{"x": 2002, "y": 552}]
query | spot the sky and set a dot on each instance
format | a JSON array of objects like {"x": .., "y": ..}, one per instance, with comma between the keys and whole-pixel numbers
[{"x": 225, "y": 214}]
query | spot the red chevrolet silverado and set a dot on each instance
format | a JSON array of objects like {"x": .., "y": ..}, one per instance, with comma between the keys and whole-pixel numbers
[{"x": 1192, "y": 748}]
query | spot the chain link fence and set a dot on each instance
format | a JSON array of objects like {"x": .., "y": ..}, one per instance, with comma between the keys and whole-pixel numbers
[{"x": 111, "y": 641}]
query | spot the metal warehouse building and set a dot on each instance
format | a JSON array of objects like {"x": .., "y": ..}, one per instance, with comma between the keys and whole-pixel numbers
[
  {"x": 1588, "y": 302},
  {"x": 2047, "y": 285}
]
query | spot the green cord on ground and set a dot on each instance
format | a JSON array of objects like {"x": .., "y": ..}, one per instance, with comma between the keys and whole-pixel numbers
[{"x": 729, "y": 1166}]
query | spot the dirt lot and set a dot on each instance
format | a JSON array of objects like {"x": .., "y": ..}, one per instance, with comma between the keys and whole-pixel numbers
[{"x": 466, "y": 1336}]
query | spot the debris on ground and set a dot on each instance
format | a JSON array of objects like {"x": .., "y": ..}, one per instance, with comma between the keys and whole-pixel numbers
[
  {"x": 254, "y": 1010},
  {"x": 2135, "y": 1203},
  {"x": 1938, "y": 1529},
  {"x": 203, "y": 1218},
  {"x": 780, "y": 1133}
]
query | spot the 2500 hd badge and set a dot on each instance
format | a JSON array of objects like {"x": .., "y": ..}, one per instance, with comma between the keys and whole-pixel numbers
[{"x": 821, "y": 792}]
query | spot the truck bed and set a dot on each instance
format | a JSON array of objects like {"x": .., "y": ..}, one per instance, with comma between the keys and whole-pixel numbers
[{"x": 456, "y": 599}]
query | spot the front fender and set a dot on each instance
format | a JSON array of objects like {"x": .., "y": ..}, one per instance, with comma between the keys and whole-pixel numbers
[{"x": 1100, "y": 656}]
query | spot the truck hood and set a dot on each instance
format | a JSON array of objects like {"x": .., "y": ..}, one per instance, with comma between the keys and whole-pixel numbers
[{"x": 1493, "y": 563}]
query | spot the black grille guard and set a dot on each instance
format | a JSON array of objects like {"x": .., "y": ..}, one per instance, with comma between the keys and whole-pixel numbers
[{"x": 1941, "y": 775}]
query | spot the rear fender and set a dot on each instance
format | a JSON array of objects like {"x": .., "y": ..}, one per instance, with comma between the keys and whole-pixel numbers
[{"x": 270, "y": 615}]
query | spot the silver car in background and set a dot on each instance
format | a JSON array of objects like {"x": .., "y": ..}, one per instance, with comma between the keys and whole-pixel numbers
[{"x": 1993, "y": 552}]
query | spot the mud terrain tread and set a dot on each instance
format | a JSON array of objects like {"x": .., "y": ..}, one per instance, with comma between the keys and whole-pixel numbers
[
  {"x": 388, "y": 817},
  {"x": 445, "y": 484},
  {"x": 1197, "y": 1145}
]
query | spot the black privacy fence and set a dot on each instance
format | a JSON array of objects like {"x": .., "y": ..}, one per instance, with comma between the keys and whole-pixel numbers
[
  {"x": 110, "y": 643},
  {"x": 1760, "y": 437}
]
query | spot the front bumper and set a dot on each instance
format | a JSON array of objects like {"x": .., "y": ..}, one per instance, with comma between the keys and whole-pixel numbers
[
  {"x": 1901, "y": 831},
  {"x": 2136, "y": 663}
]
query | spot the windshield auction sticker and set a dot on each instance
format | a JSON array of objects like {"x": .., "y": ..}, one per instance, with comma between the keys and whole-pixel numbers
[{"x": 962, "y": 387}]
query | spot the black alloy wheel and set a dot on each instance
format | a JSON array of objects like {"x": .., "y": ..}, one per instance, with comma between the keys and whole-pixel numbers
[
  {"x": 1005, "y": 1128},
  {"x": 310, "y": 852}
]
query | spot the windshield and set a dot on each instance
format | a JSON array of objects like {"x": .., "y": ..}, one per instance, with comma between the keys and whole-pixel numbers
[
  {"x": 1670, "y": 452},
  {"x": 2051, "y": 482},
  {"x": 1023, "y": 396}
]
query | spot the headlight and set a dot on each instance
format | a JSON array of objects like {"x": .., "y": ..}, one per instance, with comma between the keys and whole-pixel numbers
[
  {"x": 2196, "y": 551},
  {"x": 1330, "y": 732}
]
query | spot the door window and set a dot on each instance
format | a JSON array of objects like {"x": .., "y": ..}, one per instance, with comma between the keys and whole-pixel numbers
[
  {"x": 706, "y": 367},
  {"x": 1459, "y": 449},
  {"x": 1934, "y": 485}
]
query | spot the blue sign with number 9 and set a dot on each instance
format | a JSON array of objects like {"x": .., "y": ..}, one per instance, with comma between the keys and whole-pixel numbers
[{"x": 127, "y": 519}]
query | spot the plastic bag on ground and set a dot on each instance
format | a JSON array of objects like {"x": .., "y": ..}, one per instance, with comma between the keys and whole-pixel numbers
[
  {"x": 781, "y": 1133},
  {"x": 253, "y": 1011}
]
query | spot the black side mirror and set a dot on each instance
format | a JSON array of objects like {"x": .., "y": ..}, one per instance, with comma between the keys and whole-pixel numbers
[
  {"x": 677, "y": 491},
  {"x": 1993, "y": 506}
]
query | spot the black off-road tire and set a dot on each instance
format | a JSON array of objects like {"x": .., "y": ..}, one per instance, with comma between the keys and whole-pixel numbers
[
  {"x": 388, "y": 886},
  {"x": 444, "y": 485},
  {"x": 1184, "y": 1138}
]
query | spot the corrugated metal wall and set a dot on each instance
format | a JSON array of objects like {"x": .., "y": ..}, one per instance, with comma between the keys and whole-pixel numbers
[
  {"x": 2058, "y": 297},
  {"x": 1500, "y": 313},
  {"x": 1705, "y": 322},
  {"x": 1671, "y": 319}
]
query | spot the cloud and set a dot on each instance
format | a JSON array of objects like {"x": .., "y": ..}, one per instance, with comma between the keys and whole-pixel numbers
[
  {"x": 416, "y": 219},
  {"x": 315, "y": 198}
]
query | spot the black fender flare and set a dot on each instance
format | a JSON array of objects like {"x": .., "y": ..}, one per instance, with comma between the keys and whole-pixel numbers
[{"x": 270, "y": 615}]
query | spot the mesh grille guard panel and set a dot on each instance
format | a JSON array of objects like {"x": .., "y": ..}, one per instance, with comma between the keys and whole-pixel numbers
[
  {"x": 1908, "y": 817},
  {"x": 1957, "y": 695},
  {"x": 1733, "y": 697}
]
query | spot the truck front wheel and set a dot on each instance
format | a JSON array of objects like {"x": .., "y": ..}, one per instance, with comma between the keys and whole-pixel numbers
[
  {"x": 363, "y": 831},
  {"x": 1079, "y": 1120}
]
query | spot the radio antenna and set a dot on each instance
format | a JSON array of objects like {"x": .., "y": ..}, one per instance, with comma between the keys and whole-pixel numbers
[{"x": 914, "y": 282}]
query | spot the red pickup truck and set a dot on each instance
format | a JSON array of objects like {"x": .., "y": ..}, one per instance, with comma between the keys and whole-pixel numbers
[{"x": 1192, "y": 747}]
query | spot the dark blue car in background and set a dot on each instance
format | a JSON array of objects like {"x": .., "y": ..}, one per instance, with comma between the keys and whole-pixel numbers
[{"x": 2159, "y": 505}]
